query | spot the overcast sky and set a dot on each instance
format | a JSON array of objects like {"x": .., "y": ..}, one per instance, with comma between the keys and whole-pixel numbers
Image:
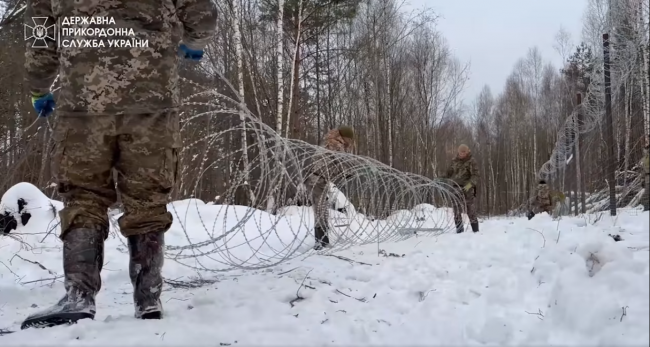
[{"x": 494, "y": 34}]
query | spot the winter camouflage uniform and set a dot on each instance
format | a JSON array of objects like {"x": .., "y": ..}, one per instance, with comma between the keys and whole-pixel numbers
[
  {"x": 117, "y": 109},
  {"x": 326, "y": 168},
  {"x": 462, "y": 172},
  {"x": 542, "y": 201}
]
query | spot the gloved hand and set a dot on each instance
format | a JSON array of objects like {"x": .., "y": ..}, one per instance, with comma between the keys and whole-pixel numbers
[
  {"x": 187, "y": 53},
  {"x": 467, "y": 187},
  {"x": 43, "y": 104}
]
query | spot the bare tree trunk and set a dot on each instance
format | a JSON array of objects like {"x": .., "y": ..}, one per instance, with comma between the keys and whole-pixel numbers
[
  {"x": 645, "y": 76},
  {"x": 628, "y": 128},
  {"x": 237, "y": 37},
  {"x": 609, "y": 127},
  {"x": 389, "y": 118},
  {"x": 294, "y": 71},
  {"x": 280, "y": 66},
  {"x": 580, "y": 189},
  {"x": 318, "y": 111}
]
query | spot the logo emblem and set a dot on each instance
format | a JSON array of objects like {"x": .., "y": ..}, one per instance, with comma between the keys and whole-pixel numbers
[{"x": 39, "y": 32}]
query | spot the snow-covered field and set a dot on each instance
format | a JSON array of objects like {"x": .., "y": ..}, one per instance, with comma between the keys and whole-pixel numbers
[{"x": 517, "y": 282}]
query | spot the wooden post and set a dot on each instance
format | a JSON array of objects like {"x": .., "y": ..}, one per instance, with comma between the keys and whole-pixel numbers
[{"x": 609, "y": 128}]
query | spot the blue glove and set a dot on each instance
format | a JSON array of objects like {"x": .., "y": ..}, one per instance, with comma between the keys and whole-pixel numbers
[
  {"x": 43, "y": 104},
  {"x": 192, "y": 54}
]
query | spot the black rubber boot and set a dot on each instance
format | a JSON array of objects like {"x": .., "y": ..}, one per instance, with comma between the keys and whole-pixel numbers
[
  {"x": 83, "y": 257},
  {"x": 530, "y": 215},
  {"x": 474, "y": 227},
  {"x": 459, "y": 228},
  {"x": 322, "y": 239},
  {"x": 145, "y": 269}
]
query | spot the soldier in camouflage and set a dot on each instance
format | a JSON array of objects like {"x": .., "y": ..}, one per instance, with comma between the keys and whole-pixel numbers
[
  {"x": 542, "y": 201},
  {"x": 117, "y": 109},
  {"x": 321, "y": 174},
  {"x": 464, "y": 173}
]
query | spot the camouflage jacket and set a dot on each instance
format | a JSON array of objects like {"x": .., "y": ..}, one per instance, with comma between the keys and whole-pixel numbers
[
  {"x": 463, "y": 171},
  {"x": 115, "y": 80},
  {"x": 333, "y": 141},
  {"x": 546, "y": 198},
  {"x": 328, "y": 165},
  {"x": 646, "y": 164},
  {"x": 543, "y": 194}
]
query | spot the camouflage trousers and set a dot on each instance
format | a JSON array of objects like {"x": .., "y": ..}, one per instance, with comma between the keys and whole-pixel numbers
[
  {"x": 465, "y": 201},
  {"x": 317, "y": 189},
  {"x": 143, "y": 150},
  {"x": 540, "y": 205}
]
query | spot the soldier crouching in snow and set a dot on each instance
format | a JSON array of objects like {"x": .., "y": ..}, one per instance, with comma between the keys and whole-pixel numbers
[
  {"x": 321, "y": 173},
  {"x": 541, "y": 202},
  {"x": 117, "y": 110},
  {"x": 464, "y": 172}
]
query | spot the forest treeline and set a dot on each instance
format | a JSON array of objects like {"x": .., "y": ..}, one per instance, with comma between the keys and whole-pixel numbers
[{"x": 306, "y": 66}]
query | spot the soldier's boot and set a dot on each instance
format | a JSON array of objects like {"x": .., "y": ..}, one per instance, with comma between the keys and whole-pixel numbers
[
  {"x": 530, "y": 215},
  {"x": 322, "y": 239},
  {"x": 474, "y": 227},
  {"x": 459, "y": 227},
  {"x": 83, "y": 256},
  {"x": 145, "y": 269}
]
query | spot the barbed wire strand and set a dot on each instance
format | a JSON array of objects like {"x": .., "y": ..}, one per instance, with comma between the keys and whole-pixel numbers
[{"x": 274, "y": 175}]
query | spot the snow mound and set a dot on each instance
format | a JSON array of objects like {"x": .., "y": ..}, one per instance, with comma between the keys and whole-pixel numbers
[
  {"x": 34, "y": 199},
  {"x": 339, "y": 200},
  {"x": 593, "y": 284},
  {"x": 22, "y": 202}
]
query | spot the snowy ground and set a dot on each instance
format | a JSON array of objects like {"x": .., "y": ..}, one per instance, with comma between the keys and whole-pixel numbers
[{"x": 517, "y": 282}]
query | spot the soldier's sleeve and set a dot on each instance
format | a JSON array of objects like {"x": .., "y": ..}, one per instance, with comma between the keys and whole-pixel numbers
[
  {"x": 199, "y": 18},
  {"x": 473, "y": 169},
  {"x": 42, "y": 61},
  {"x": 336, "y": 147}
]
